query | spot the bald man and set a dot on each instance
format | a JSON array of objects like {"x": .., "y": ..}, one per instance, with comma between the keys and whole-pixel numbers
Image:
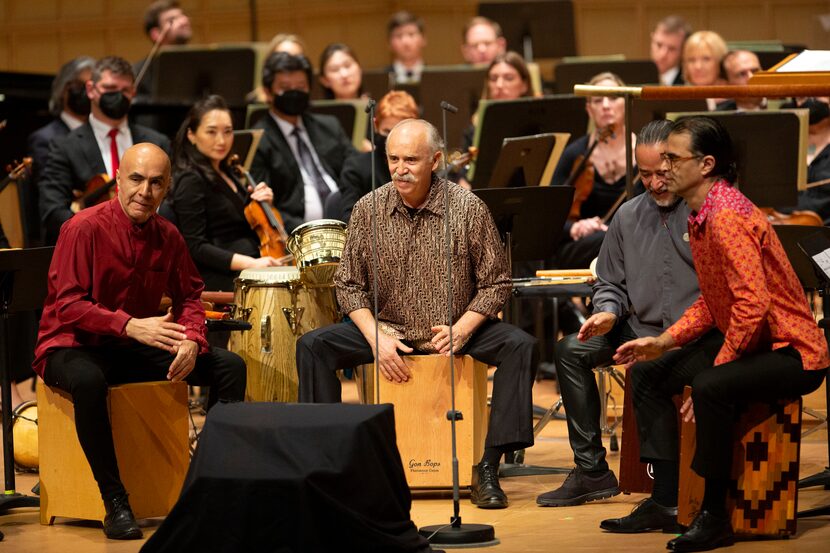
[
  {"x": 412, "y": 299},
  {"x": 100, "y": 323},
  {"x": 739, "y": 66}
]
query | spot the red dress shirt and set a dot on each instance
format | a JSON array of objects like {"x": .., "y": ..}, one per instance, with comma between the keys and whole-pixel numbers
[
  {"x": 106, "y": 270},
  {"x": 748, "y": 288}
]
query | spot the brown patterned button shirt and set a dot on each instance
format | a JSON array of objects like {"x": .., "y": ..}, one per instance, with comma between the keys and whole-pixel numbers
[{"x": 412, "y": 273}]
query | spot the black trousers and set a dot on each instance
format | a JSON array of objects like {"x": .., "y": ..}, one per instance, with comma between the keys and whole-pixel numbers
[
  {"x": 86, "y": 373},
  {"x": 575, "y": 362},
  {"x": 341, "y": 346},
  {"x": 716, "y": 394}
]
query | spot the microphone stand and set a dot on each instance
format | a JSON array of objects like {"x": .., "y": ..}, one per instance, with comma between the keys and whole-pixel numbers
[
  {"x": 455, "y": 533},
  {"x": 370, "y": 109}
]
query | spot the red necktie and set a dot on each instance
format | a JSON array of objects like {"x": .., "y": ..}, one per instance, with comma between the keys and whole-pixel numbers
[{"x": 113, "y": 151}]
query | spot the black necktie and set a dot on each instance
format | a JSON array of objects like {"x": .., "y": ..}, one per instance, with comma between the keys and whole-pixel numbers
[{"x": 310, "y": 167}]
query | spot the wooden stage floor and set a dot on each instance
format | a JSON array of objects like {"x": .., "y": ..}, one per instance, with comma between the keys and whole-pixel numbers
[{"x": 523, "y": 527}]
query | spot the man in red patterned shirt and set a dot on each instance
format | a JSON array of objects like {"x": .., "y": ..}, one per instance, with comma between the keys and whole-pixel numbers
[{"x": 771, "y": 349}]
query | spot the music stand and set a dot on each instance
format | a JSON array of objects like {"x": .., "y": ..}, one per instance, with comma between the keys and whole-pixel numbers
[
  {"x": 645, "y": 111},
  {"x": 523, "y": 160},
  {"x": 633, "y": 72},
  {"x": 245, "y": 144},
  {"x": 537, "y": 28},
  {"x": 22, "y": 288},
  {"x": 499, "y": 119},
  {"x": 349, "y": 113},
  {"x": 465, "y": 93}
]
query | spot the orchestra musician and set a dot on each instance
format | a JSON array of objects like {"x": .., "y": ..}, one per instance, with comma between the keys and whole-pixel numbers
[
  {"x": 412, "y": 309},
  {"x": 816, "y": 198},
  {"x": 111, "y": 265},
  {"x": 167, "y": 23},
  {"x": 301, "y": 154},
  {"x": 340, "y": 73},
  {"x": 645, "y": 281},
  {"x": 750, "y": 336},
  {"x": 483, "y": 41},
  {"x": 703, "y": 53},
  {"x": 209, "y": 201},
  {"x": 405, "y": 33},
  {"x": 95, "y": 147},
  {"x": 603, "y": 176},
  {"x": 666, "y": 47}
]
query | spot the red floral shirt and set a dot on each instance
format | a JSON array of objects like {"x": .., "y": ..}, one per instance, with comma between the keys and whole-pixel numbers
[{"x": 749, "y": 290}]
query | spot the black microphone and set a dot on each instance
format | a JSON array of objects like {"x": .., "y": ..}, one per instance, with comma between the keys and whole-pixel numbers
[
  {"x": 448, "y": 107},
  {"x": 370, "y": 105}
]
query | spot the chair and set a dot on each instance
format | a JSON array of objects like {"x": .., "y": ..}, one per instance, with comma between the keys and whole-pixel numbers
[{"x": 150, "y": 430}]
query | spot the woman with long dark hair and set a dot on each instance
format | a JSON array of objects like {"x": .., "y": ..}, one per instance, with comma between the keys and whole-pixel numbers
[
  {"x": 209, "y": 201},
  {"x": 341, "y": 75}
]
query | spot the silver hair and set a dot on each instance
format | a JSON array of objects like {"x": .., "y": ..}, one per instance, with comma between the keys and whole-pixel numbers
[
  {"x": 66, "y": 74},
  {"x": 654, "y": 132},
  {"x": 436, "y": 143}
]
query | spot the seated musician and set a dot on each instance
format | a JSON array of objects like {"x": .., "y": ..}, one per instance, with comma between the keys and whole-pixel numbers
[
  {"x": 356, "y": 178},
  {"x": 483, "y": 41},
  {"x": 407, "y": 39},
  {"x": 95, "y": 147},
  {"x": 100, "y": 326},
  {"x": 645, "y": 281},
  {"x": 167, "y": 23},
  {"x": 766, "y": 343},
  {"x": 209, "y": 201},
  {"x": 412, "y": 302},
  {"x": 301, "y": 154},
  {"x": 602, "y": 177}
]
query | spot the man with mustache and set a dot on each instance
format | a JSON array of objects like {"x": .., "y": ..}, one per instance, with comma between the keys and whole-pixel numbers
[
  {"x": 413, "y": 304},
  {"x": 645, "y": 280},
  {"x": 95, "y": 147}
]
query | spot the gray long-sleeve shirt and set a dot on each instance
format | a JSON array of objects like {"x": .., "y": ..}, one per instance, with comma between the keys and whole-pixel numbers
[{"x": 645, "y": 269}]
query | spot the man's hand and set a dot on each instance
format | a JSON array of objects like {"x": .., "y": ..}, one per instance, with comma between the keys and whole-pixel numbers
[
  {"x": 158, "y": 332},
  {"x": 596, "y": 325},
  {"x": 688, "y": 410},
  {"x": 441, "y": 340},
  {"x": 643, "y": 349},
  {"x": 389, "y": 362},
  {"x": 184, "y": 362}
]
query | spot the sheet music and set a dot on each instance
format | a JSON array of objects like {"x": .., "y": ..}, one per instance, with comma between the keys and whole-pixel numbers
[
  {"x": 823, "y": 261},
  {"x": 808, "y": 61}
]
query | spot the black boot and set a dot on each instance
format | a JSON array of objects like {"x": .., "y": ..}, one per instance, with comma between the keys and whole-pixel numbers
[
  {"x": 707, "y": 531},
  {"x": 486, "y": 492},
  {"x": 120, "y": 523}
]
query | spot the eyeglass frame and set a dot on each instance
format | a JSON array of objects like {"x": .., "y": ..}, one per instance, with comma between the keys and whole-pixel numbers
[{"x": 672, "y": 160}]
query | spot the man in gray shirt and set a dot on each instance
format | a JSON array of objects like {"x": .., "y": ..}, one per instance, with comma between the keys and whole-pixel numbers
[{"x": 645, "y": 281}]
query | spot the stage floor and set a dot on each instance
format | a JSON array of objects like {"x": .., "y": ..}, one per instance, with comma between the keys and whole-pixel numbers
[{"x": 523, "y": 527}]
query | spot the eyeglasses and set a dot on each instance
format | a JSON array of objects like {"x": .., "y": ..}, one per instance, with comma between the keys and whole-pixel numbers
[{"x": 673, "y": 160}]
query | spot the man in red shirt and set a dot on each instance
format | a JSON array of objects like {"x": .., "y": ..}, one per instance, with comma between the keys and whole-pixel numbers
[
  {"x": 772, "y": 347},
  {"x": 111, "y": 265}
]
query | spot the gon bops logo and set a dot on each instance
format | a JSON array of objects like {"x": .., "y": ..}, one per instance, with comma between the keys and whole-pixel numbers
[{"x": 427, "y": 465}]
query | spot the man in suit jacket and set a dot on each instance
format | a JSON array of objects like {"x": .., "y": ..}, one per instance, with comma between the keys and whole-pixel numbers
[
  {"x": 95, "y": 147},
  {"x": 301, "y": 154},
  {"x": 667, "y": 47}
]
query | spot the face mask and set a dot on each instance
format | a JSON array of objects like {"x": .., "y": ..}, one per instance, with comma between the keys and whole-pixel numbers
[
  {"x": 77, "y": 100},
  {"x": 114, "y": 105},
  {"x": 292, "y": 102},
  {"x": 380, "y": 144},
  {"x": 819, "y": 111}
]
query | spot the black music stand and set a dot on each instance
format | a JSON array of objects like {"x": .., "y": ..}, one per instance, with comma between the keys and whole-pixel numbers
[
  {"x": 185, "y": 73},
  {"x": 522, "y": 161},
  {"x": 645, "y": 111},
  {"x": 520, "y": 215},
  {"x": 537, "y": 28},
  {"x": 524, "y": 117},
  {"x": 465, "y": 93},
  {"x": 22, "y": 288},
  {"x": 632, "y": 72}
]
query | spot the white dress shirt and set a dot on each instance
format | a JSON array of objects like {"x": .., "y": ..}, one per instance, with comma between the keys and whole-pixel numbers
[
  {"x": 404, "y": 75},
  {"x": 123, "y": 140},
  {"x": 667, "y": 78},
  {"x": 71, "y": 122}
]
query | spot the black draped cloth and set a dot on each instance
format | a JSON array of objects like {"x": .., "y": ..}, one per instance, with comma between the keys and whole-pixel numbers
[{"x": 293, "y": 477}]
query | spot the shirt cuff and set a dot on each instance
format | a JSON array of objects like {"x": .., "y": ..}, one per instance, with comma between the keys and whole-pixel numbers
[
  {"x": 118, "y": 324},
  {"x": 197, "y": 335}
]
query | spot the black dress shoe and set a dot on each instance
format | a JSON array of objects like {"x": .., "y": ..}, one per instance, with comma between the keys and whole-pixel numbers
[
  {"x": 580, "y": 487},
  {"x": 486, "y": 492},
  {"x": 120, "y": 523},
  {"x": 707, "y": 532},
  {"x": 647, "y": 516}
]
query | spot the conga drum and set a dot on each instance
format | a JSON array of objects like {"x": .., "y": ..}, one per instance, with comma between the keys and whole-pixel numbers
[
  {"x": 24, "y": 430},
  {"x": 317, "y": 247},
  {"x": 280, "y": 308}
]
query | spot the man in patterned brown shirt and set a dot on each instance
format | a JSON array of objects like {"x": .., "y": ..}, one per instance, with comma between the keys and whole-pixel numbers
[{"x": 412, "y": 302}]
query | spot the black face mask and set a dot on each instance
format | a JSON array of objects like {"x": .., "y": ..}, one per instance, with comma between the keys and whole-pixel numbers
[
  {"x": 114, "y": 105},
  {"x": 292, "y": 102},
  {"x": 380, "y": 144},
  {"x": 819, "y": 111},
  {"x": 77, "y": 100}
]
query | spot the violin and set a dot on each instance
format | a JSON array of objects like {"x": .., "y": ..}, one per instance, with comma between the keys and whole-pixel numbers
[
  {"x": 99, "y": 188},
  {"x": 265, "y": 220},
  {"x": 15, "y": 171},
  {"x": 805, "y": 218},
  {"x": 582, "y": 174}
]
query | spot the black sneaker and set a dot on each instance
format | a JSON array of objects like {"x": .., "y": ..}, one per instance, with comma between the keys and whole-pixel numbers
[
  {"x": 648, "y": 515},
  {"x": 119, "y": 522},
  {"x": 580, "y": 487},
  {"x": 486, "y": 493}
]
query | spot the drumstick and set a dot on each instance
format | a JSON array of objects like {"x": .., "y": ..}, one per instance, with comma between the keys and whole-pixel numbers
[{"x": 564, "y": 273}]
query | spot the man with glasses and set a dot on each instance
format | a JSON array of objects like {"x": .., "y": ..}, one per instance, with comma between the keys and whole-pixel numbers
[
  {"x": 645, "y": 280},
  {"x": 751, "y": 303},
  {"x": 95, "y": 147},
  {"x": 739, "y": 66}
]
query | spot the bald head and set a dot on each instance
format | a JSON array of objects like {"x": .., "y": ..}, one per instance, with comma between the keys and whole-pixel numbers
[
  {"x": 421, "y": 130},
  {"x": 413, "y": 151},
  {"x": 143, "y": 179}
]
